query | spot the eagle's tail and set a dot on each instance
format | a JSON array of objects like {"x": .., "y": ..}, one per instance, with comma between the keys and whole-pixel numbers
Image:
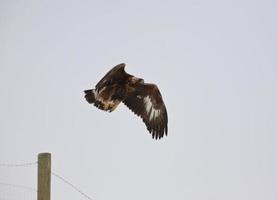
[{"x": 90, "y": 95}]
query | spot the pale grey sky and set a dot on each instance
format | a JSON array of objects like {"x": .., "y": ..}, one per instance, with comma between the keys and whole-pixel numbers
[{"x": 214, "y": 61}]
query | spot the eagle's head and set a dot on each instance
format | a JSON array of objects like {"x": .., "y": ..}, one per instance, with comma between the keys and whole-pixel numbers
[{"x": 135, "y": 81}]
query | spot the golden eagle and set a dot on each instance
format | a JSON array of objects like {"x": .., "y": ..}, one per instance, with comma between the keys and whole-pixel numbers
[{"x": 144, "y": 99}]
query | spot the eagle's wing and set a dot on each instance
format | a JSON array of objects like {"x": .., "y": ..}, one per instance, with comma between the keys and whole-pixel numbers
[
  {"x": 147, "y": 103},
  {"x": 110, "y": 77}
]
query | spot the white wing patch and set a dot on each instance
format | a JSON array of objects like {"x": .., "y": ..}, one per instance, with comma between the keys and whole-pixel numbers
[
  {"x": 148, "y": 103},
  {"x": 154, "y": 113}
]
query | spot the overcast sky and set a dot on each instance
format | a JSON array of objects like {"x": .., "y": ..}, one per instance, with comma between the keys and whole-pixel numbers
[{"x": 215, "y": 62}]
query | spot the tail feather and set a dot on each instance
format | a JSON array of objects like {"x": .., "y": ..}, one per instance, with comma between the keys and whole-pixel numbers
[{"x": 90, "y": 96}]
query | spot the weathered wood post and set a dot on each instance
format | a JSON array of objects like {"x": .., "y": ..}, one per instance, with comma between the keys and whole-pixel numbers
[{"x": 44, "y": 176}]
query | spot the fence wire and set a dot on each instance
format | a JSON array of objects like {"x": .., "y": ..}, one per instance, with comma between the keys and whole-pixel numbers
[
  {"x": 27, "y": 188},
  {"x": 11, "y": 190},
  {"x": 71, "y": 185},
  {"x": 18, "y": 186},
  {"x": 18, "y": 165}
]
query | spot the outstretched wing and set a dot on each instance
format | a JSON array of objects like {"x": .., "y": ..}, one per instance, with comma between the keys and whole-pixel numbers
[
  {"x": 146, "y": 101},
  {"x": 115, "y": 74}
]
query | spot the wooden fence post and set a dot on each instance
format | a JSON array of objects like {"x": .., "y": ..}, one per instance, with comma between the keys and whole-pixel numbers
[{"x": 44, "y": 176}]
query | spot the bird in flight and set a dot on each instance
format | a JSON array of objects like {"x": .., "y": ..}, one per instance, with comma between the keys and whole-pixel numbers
[{"x": 144, "y": 99}]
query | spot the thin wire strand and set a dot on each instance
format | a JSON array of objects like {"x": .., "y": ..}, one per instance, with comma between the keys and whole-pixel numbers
[
  {"x": 18, "y": 165},
  {"x": 71, "y": 185},
  {"x": 18, "y": 186}
]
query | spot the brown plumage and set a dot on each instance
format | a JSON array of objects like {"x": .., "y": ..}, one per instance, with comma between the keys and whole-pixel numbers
[{"x": 142, "y": 98}]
